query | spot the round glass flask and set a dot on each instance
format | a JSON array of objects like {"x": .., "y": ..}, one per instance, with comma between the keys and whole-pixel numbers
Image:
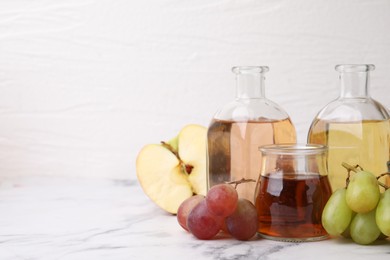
[
  {"x": 355, "y": 127},
  {"x": 240, "y": 127},
  {"x": 291, "y": 192}
]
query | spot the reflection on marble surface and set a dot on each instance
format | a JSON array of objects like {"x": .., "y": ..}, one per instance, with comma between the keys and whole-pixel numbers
[{"x": 71, "y": 218}]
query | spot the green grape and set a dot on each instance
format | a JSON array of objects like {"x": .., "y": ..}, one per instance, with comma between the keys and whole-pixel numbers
[
  {"x": 363, "y": 228},
  {"x": 363, "y": 192},
  {"x": 347, "y": 232},
  {"x": 336, "y": 215},
  {"x": 383, "y": 213},
  {"x": 382, "y": 236}
]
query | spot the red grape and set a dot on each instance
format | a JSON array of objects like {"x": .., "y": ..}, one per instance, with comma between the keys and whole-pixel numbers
[
  {"x": 243, "y": 223},
  {"x": 201, "y": 223},
  {"x": 222, "y": 200},
  {"x": 185, "y": 209}
]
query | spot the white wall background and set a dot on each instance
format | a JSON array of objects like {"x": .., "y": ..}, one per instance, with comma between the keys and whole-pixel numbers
[{"x": 85, "y": 84}]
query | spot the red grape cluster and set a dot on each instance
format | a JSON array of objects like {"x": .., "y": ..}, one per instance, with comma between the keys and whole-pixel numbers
[{"x": 221, "y": 209}]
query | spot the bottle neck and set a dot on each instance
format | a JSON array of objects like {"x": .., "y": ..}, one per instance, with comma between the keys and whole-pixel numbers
[
  {"x": 250, "y": 82},
  {"x": 354, "y": 81}
]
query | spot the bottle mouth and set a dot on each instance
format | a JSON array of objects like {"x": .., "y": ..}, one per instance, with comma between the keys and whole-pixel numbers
[
  {"x": 293, "y": 149},
  {"x": 249, "y": 69},
  {"x": 354, "y": 67}
]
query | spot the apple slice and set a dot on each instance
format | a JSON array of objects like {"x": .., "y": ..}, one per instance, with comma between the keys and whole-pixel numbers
[
  {"x": 173, "y": 171},
  {"x": 192, "y": 151}
]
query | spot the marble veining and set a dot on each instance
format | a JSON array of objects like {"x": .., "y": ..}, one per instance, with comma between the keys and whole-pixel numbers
[{"x": 79, "y": 218}]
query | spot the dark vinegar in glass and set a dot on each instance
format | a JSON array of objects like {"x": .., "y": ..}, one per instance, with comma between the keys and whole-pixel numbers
[{"x": 290, "y": 206}]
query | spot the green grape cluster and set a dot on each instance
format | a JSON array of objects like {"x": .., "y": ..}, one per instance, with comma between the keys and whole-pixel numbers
[{"x": 359, "y": 211}]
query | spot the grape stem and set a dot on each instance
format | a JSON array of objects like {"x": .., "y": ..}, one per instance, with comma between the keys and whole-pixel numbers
[
  {"x": 243, "y": 180},
  {"x": 382, "y": 184},
  {"x": 350, "y": 168},
  {"x": 357, "y": 168}
]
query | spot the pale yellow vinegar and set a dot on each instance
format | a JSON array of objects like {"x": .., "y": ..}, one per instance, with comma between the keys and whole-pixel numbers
[{"x": 365, "y": 143}]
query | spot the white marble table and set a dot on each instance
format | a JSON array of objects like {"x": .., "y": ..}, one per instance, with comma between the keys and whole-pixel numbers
[{"x": 70, "y": 218}]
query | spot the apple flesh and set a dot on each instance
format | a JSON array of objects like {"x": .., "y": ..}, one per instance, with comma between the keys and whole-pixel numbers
[
  {"x": 192, "y": 141},
  {"x": 173, "y": 171}
]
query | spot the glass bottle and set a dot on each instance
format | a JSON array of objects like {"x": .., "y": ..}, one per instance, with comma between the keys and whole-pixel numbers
[
  {"x": 355, "y": 127},
  {"x": 240, "y": 127},
  {"x": 292, "y": 192}
]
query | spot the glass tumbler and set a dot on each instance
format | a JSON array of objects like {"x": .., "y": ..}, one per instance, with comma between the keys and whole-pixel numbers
[{"x": 292, "y": 191}]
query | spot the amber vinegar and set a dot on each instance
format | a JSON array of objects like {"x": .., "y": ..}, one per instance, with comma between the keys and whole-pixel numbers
[{"x": 290, "y": 206}]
